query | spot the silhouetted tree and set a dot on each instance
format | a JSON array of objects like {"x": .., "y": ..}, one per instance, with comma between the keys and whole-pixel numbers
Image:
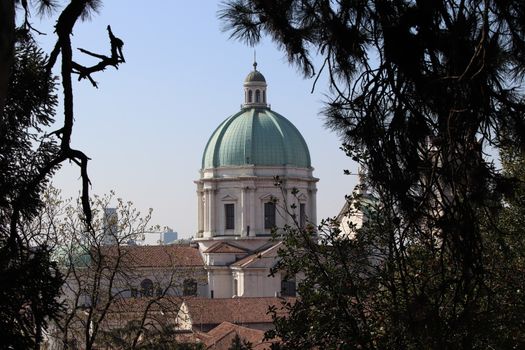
[
  {"x": 240, "y": 344},
  {"x": 30, "y": 282},
  {"x": 421, "y": 91}
]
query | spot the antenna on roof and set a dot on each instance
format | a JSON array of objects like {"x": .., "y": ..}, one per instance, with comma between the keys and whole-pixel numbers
[{"x": 254, "y": 60}]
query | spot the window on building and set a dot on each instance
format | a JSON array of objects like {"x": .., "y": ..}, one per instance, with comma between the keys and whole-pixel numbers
[
  {"x": 288, "y": 288},
  {"x": 235, "y": 287},
  {"x": 146, "y": 288},
  {"x": 257, "y": 96},
  {"x": 269, "y": 215},
  {"x": 229, "y": 216},
  {"x": 249, "y": 96},
  {"x": 189, "y": 287},
  {"x": 264, "y": 96},
  {"x": 302, "y": 215}
]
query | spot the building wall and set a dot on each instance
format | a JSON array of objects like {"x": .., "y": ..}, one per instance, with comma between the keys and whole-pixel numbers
[
  {"x": 127, "y": 282},
  {"x": 248, "y": 188},
  {"x": 220, "y": 282},
  {"x": 257, "y": 283}
]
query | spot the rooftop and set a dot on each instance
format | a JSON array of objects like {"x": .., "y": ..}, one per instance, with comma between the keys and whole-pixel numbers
[
  {"x": 221, "y": 337},
  {"x": 157, "y": 256},
  {"x": 235, "y": 310}
]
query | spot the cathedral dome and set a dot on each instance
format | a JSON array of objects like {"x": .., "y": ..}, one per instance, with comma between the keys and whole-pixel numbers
[
  {"x": 236, "y": 191},
  {"x": 256, "y": 136}
]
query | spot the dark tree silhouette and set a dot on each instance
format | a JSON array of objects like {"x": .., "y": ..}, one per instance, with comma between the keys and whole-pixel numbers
[
  {"x": 30, "y": 282},
  {"x": 421, "y": 91},
  {"x": 240, "y": 344}
]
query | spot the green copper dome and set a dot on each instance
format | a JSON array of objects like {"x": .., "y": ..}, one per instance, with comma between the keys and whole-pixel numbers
[{"x": 256, "y": 136}]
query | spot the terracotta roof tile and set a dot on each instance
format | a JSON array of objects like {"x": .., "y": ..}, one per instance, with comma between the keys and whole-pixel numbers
[
  {"x": 235, "y": 310},
  {"x": 158, "y": 256},
  {"x": 221, "y": 337},
  {"x": 138, "y": 305},
  {"x": 246, "y": 260},
  {"x": 258, "y": 255}
]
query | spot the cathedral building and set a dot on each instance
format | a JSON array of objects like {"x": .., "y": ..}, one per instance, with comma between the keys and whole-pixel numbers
[
  {"x": 219, "y": 285},
  {"x": 239, "y": 203}
]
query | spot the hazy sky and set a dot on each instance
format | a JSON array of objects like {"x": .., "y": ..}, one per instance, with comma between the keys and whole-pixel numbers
[{"x": 146, "y": 126}]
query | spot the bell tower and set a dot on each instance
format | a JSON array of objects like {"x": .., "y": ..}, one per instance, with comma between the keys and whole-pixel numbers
[{"x": 255, "y": 89}]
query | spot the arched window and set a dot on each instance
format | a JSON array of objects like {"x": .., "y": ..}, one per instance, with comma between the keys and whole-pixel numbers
[
  {"x": 257, "y": 96},
  {"x": 269, "y": 215},
  {"x": 249, "y": 96},
  {"x": 189, "y": 287},
  {"x": 146, "y": 287},
  {"x": 264, "y": 96}
]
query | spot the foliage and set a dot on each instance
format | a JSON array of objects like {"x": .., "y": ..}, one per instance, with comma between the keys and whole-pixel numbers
[
  {"x": 163, "y": 338},
  {"x": 30, "y": 106},
  {"x": 420, "y": 91},
  {"x": 356, "y": 292},
  {"x": 239, "y": 344},
  {"x": 29, "y": 156},
  {"x": 505, "y": 252}
]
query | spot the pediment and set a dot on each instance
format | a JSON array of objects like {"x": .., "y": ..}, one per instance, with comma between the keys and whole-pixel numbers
[
  {"x": 302, "y": 197},
  {"x": 228, "y": 197},
  {"x": 267, "y": 197},
  {"x": 224, "y": 247}
]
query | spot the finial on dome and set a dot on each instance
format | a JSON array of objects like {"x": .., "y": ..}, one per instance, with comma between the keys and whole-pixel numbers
[{"x": 255, "y": 87}]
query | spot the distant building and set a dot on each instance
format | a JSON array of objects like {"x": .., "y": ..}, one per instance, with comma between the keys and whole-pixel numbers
[
  {"x": 110, "y": 223},
  {"x": 157, "y": 238},
  {"x": 357, "y": 210},
  {"x": 169, "y": 236}
]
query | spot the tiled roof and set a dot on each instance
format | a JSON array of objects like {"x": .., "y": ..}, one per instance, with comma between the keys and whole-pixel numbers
[
  {"x": 138, "y": 305},
  {"x": 247, "y": 260},
  {"x": 244, "y": 262},
  {"x": 221, "y": 337},
  {"x": 158, "y": 256},
  {"x": 223, "y": 247},
  {"x": 234, "y": 310}
]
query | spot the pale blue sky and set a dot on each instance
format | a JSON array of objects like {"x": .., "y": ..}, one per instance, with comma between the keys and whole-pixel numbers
[{"x": 146, "y": 126}]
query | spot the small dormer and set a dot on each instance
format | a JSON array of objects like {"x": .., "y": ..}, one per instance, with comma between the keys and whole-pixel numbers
[{"x": 255, "y": 89}]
